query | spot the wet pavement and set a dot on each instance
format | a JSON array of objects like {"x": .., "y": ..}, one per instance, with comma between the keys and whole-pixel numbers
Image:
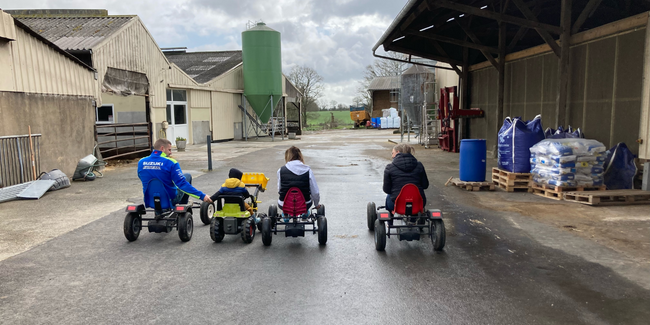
[{"x": 493, "y": 269}]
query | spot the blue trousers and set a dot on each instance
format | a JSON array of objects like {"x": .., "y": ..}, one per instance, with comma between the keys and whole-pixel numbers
[{"x": 182, "y": 197}]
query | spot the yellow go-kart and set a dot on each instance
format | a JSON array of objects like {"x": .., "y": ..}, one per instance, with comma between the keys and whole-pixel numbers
[{"x": 230, "y": 216}]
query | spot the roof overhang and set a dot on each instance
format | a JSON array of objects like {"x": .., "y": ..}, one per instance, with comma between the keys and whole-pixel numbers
[{"x": 466, "y": 32}]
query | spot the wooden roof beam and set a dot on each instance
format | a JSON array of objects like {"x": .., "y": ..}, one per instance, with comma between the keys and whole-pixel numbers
[
  {"x": 397, "y": 48},
  {"x": 543, "y": 33},
  {"x": 493, "y": 15},
  {"x": 443, "y": 52},
  {"x": 591, "y": 6},
  {"x": 452, "y": 41},
  {"x": 475, "y": 39}
]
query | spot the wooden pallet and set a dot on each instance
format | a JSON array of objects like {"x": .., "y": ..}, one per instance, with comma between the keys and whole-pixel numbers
[
  {"x": 471, "y": 186},
  {"x": 511, "y": 182},
  {"x": 615, "y": 197},
  {"x": 556, "y": 192}
]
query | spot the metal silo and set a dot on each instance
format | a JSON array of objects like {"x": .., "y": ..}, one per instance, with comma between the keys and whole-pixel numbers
[
  {"x": 262, "y": 69},
  {"x": 417, "y": 88}
]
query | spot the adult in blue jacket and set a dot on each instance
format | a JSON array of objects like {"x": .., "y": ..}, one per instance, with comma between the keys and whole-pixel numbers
[
  {"x": 404, "y": 169},
  {"x": 161, "y": 166}
]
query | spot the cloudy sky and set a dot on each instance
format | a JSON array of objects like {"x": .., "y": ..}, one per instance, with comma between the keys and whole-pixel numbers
[{"x": 335, "y": 37}]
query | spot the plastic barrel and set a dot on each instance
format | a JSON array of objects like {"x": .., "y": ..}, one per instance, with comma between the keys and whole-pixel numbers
[{"x": 472, "y": 160}]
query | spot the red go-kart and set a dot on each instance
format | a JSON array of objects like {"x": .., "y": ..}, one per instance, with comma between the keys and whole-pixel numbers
[{"x": 409, "y": 221}]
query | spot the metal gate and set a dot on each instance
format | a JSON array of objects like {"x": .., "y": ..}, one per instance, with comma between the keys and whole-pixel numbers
[
  {"x": 16, "y": 159},
  {"x": 122, "y": 140}
]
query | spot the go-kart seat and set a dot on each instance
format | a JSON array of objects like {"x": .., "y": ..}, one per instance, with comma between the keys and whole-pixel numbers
[
  {"x": 156, "y": 197},
  {"x": 294, "y": 203},
  {"x": 230, "y": 199},
  {"x": 409, "y": 201}
]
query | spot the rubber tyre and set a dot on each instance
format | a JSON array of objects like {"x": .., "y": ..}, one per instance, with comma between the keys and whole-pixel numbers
[
  {"x": 132, "y": 226},
  {"x": 185, "y": 226},
  {"x": 321, "y": 211},
  {"x": 322, "y": 230},
  {"x": 248, "y": 230},
  {"x": 380, "y": 236},
  {"x": 267, "y": 236},
  {"x": 371, "y": 215},
  {"x": 206, "y": 213},
  {"x": 216, "y": 224},
  {"x": 440, "y": 233},
  {"x": 273, "y": 211}
]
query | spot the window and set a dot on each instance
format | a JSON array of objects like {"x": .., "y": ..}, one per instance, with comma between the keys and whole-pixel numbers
[
  {"x": 104, "y": 114},
  {"x": 176, "y": 110},
  {"x": 394, "y": 95}
]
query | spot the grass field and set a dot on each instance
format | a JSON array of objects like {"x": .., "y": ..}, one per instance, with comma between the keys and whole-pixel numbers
[{"x": 341, "y": 117}]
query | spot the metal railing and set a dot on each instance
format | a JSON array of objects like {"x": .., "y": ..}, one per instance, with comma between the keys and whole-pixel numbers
[
  {"x": 123, "y": 139},
  {"x": 16, "y": 159}
]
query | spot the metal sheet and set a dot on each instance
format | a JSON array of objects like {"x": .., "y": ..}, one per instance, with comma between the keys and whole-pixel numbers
[
  {"x": 37, "y": 189},
  {"x": 11, "y": 192}
]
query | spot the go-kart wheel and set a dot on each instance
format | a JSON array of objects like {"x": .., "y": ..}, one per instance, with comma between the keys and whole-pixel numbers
[
  {"x": 216, "y": 230},
  {"x": 260, "y": 217},
  {"x": 380, "y": 235},
  {"x": 248, "y": 230},
  {"x": 185, "y": 226},
  {"x": 438, "y": 234},
  {"x": 266, "y": 231},
  {"x": 206, "y": 213},
  {"x": 273, "y": 211},
  {"x": 132, "y": 226},
  {"x": 371, "y": 215},
  {"x": 321, "y": 211},
  {"x": 322, "y": 230}
]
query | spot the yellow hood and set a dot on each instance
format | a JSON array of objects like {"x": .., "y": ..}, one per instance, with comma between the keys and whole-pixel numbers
[{"x": 233, "y": 183}]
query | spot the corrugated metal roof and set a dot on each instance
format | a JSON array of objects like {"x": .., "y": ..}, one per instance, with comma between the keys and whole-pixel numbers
[
  {"x": 205, "y": 66},
  {"x": 76, "y": 33},
  {"x": 385, "y": 83}
]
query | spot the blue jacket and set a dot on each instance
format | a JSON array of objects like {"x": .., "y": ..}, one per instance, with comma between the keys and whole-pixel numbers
[{"x": 167, "y": 170}]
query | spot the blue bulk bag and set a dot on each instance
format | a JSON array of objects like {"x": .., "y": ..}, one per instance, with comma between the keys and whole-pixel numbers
[
  {"x": 620, "y": 168},
  {"x": 515, "y": 139}
]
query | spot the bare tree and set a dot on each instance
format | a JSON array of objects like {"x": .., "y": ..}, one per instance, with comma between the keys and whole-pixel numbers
[
  {"x": 309, "y": 83},
  {"x": 380, "y": 68}
]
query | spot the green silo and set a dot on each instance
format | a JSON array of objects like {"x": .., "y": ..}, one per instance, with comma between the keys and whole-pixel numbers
[{"x": 262, "y": 69}]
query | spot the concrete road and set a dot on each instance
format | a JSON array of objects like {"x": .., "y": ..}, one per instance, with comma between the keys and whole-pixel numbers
[{"x": 494, "y": 270}]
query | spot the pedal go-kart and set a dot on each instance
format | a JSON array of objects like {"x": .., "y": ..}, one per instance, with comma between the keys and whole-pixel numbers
[
  {"x": 166, "y": 216},
  {"x": 408, "y": 221},
  {"x": 295, "y": 219},
  {"x": 231, "y": 216}
]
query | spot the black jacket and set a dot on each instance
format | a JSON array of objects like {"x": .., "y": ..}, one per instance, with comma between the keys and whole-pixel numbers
[{"x": 403, "y": 170}]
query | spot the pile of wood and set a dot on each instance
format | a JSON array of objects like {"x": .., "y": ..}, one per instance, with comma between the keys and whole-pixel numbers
[
  {"x": 471, "y": 186},
  {"x": 511, "y": 182},
  {"x": 615, "y": 197},
  {"x": 557, "y": 192}
]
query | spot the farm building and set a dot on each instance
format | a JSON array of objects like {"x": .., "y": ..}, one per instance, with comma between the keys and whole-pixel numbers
[
  {"x": 141, "y": 86},
  {"x": 581, "y": 63},
  {"x": 384, "y": 92},
  {"x": 48, "y": 90}
]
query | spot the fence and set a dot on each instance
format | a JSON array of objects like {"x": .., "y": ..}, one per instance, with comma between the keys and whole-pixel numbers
[
  {"x": 120, "y": 140},
  {"x": 16, "y": 159}
]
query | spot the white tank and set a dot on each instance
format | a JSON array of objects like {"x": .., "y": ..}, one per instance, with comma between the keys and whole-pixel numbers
[
  {"x": 397, "y": 122},
  {"x": 383, "y": 123}
]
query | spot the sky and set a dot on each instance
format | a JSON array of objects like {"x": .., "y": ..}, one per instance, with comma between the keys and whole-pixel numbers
[{"x": 334, "y": 37}]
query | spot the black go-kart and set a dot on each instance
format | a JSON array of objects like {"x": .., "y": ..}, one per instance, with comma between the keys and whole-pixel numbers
[
  {"x": 294, "y": 222},
  {"x": 165, "y": 216},
  {"x": 409, "y": 221}
]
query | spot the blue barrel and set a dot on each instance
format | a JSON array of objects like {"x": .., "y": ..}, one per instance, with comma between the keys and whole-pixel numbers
[{"x": 472, "y": 160}]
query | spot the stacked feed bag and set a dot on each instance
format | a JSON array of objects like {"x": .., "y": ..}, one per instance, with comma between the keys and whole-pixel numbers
[
  {"x": 515, "y": 139},
  {"x": 397, "y": 122},
  {"x": 568, "y": 162},
  {"x": 392, "y": 112},
  {"x": 383, "y": 124},
  {"x": 385, "y": 112}
]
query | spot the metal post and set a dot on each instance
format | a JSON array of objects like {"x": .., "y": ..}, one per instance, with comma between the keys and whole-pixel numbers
[
  {"x": 272, "y": 121},
  {"x": 209, "y": 152},
  {"x": 646, "y": 177}
]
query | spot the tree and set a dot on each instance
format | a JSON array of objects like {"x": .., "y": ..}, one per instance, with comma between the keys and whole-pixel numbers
[
  {"x": 309, "y": 83},
  {"x": 380, "y": 68}
]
